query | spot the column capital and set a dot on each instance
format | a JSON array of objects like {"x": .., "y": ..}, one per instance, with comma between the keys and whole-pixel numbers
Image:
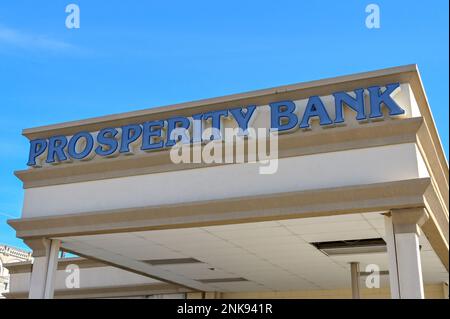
[
  {"x": 402, "y": 241},
  {"x": 40, "y": 246},
  {"x": 409, "y": 220}
]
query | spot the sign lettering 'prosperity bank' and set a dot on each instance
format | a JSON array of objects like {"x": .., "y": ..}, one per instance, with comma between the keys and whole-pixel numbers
[{"x": 159, "y": 134}]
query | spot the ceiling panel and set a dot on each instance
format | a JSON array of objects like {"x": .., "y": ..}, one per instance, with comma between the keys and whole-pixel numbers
[{"x": 274, "y": 255}]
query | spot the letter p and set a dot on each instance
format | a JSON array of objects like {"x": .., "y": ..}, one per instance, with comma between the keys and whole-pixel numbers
[
  {"x": 130, "y": 133},
  {"x": 37, "y": 147}
]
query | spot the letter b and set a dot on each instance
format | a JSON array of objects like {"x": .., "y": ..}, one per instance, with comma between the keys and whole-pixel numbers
[{"x": 280, "y": 112}]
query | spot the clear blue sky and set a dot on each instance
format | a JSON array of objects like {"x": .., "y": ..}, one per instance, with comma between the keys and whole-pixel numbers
[{"x": 130, "y": 55}]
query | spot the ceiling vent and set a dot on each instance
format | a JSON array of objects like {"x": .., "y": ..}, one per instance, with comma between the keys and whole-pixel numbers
[
  {"x": 174, "y": 261},
  {"x": 221, "y": 280},
  {"x": 351, "y": 247}
]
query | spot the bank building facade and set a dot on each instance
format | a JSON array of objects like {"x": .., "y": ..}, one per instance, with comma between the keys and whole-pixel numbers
[{"x": 355, "y": 206}]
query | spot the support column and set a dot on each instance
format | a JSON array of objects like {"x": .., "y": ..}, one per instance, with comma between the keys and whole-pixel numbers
[
  {"x": 445, "y": 289},
  {"x": 43, "y": 274},
  {"x": 212, "y": 295},
  {"x": 402, "y": 239},
  {"x": 354, "y": 268}
]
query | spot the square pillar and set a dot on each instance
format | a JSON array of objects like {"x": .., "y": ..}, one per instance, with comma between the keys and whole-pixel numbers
[
  {"x": 43, "y": 273},
  {"x": 354, "y": 269},
  {"x": 402, "y": 239}
]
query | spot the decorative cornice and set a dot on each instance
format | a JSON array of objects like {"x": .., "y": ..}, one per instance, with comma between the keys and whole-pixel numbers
[
  {"x": 14, "y": 252},
  {"x": 259, "y": 97}
]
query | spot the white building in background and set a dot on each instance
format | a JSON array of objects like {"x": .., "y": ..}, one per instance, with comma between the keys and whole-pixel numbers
[
  {"x": 9, "y": 255},
  {"x": 361, "y": 184}
]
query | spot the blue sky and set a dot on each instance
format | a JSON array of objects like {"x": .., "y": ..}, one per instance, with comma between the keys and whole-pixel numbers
[{"x": 129, "y": 55}]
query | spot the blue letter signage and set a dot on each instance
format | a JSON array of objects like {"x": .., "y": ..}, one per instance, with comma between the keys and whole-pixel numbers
[{"x": 285, "y": 116}]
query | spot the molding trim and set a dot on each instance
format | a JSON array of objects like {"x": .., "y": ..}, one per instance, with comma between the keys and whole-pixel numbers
[
  {"x": 437, "y": 169},
  {"x": 108, "y": 292},
  {"x": 327, "y": 86},
  {"x": 25, "y": 267},
  {"x": 432, "y": 291},
  {"x": 436, "y": 227},
  {"x": 321, "y": 202}
]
